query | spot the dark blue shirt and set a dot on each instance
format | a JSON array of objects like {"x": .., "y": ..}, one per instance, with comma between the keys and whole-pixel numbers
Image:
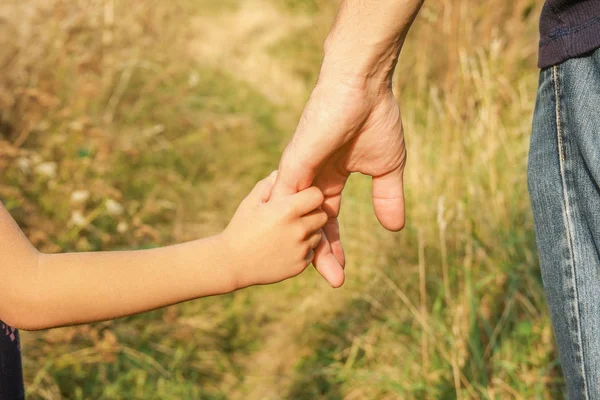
[
  {"x": 568, "y": 28},
  {"x": 11, "y": 372}
]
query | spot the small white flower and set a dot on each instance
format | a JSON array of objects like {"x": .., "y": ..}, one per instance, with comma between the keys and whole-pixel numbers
[
  {"x": 42, "y": 126},
  {"x": 47, "y": 169},
  {"x": 79, "y": 196},
  {"x": 24, "y": 164},
  {"x": 193, "y": 79},
  {"x": 166, "y": 204},
  {"x": 153, "y": 131},
  {"x": 113, "y": 207},
  {"x": 76, "y": 126},
  {"x": 78, "y": 219},
  {"x": 36, "y": 158},
  {"x": 122, "y": 227}
]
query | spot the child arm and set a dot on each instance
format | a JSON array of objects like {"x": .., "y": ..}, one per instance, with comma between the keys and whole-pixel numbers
[{"x": 49, "y": 290}]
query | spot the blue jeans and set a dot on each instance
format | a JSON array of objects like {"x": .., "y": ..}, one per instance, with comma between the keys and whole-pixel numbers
[{"x": 564, "y": 186}]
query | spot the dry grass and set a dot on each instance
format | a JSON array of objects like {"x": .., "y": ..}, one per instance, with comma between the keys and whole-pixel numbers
[{"x": 137, "y": 124}]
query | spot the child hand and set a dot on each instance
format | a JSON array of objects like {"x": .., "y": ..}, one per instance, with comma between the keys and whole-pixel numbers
[{"x": 272, "y": 241}]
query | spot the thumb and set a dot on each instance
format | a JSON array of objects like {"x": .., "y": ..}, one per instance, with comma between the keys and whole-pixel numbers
[
  {"x": 262, "y": 190},
  {"x": 388, "y": 199}
]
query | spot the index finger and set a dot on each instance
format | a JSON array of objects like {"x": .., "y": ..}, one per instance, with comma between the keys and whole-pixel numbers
[{"x": 307, "y": 200}]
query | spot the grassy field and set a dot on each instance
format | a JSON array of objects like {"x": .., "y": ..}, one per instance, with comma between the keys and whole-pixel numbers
[{"x": 143, "y": 123}]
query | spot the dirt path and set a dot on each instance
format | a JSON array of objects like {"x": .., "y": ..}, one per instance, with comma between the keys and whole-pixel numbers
[
  {"x": 270, "y": 371},
  {"x": 239, "y": 42}
]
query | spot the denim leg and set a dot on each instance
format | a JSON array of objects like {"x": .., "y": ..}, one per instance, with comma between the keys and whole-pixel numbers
[{"x": 563, "y": 180}]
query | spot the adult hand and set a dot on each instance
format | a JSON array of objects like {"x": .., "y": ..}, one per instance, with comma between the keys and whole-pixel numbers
[{"x": 346, "y": 127}]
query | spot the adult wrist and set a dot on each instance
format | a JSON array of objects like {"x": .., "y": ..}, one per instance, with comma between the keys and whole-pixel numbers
[
  {"x": 364, "y": 43},
  {"x": 364, "y": 65}
]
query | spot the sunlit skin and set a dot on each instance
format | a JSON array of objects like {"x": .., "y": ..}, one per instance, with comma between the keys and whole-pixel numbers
[
  {"x": 352, "y": 122},
  {"x": 265, "y": 242}
]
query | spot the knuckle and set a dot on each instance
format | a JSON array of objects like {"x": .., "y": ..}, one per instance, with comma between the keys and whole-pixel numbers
[
  {"x": 318, "y": 194},
  {"x": 272, "y": 217},
  {"x": 288, "y": 209},
  {"x": 285, "y": 210},
  {"x": 299, "y": 233}
]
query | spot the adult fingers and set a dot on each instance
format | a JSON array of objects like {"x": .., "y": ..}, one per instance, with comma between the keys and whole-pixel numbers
[
  {"x": 332, "y": 181},
  {"x": 327, "y": 265},
  {"x": 331, "y": 206},
  {"x": 321, "y": 131},
  {"x": 296, "y": 171},
  {"x": 388, "y": 199},
  {"x": 332, "y": 232}
]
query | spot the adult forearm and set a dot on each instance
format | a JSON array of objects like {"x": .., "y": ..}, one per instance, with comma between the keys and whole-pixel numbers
[
  {"x": 365, "y": 40},
  {"x": 86, "y": 287}
]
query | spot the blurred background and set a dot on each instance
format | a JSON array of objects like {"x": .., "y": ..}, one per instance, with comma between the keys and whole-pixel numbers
[{"x": 135, "y": 124}]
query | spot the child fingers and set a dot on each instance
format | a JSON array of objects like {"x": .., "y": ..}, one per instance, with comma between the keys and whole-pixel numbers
[
  {"x": 307, "y": 200},
  {"x": 314, "y": 220},
  {"x": 262, "y": 190},
  {"x": 314, "y": 239},
  {"x": 310, "y": 255}
]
